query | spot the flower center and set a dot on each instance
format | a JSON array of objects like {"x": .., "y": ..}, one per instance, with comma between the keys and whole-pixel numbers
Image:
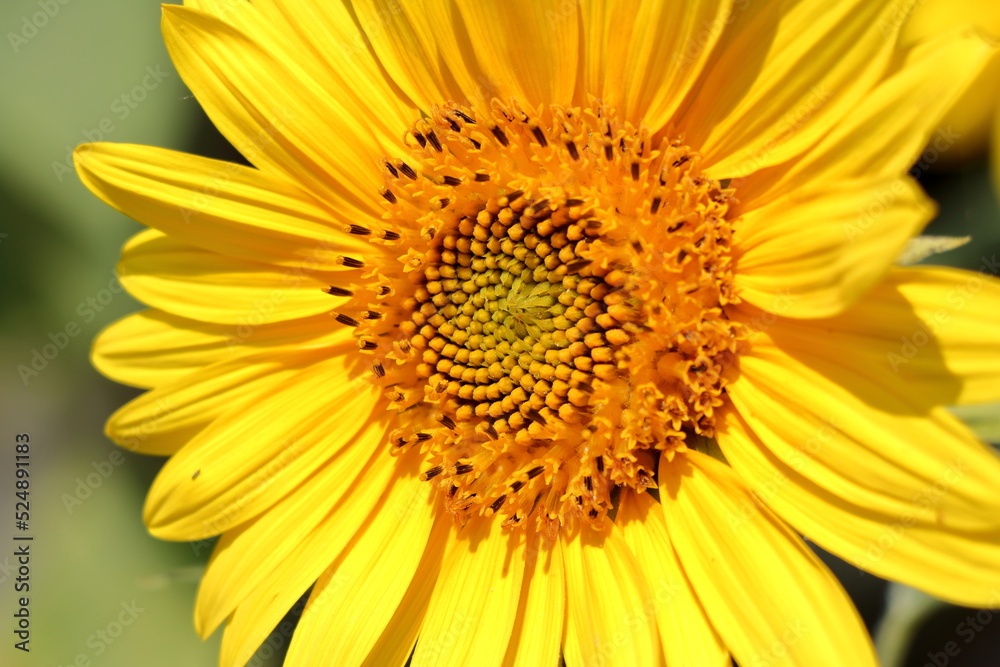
[{"x": 548, "y": 313}]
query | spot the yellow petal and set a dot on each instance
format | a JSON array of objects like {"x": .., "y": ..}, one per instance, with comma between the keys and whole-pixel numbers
[
  {"x": 537, "y": 636},
  {"x": 820, "y": 249},
  {"x": 785, "y": 75},
  {"x": 396, "y": 643},
  {"x": 655, "y": 51},
  {"x": 322, "y": 39},
  {"x": 404, "y": 40},
  {"x": 201, "y": 285},
  {"x": 962, "y": 567},
  {"x": 471, "y": 612},
  {"x": 887, "y": 129},
  {"x": 153, "y": 348},
  {"x": 163, "y": 420},
  {"x": 218, "y": 206},
  {"x": 686, "y": 635},
  {"x": 355, "y": 599},
  {"x": 239, "y": 565},
  {"x": 526, "y": 49},
  {"x": 606, "y": 602},
  {"x": 210, "y": 485},
  {"x": 303, "y": 132},
  {"x": 267, "y": 603},
  {"x": 862, "y": 442},
  {"x": 769, "y": 597},
  {"x": 929, "y": 335}
]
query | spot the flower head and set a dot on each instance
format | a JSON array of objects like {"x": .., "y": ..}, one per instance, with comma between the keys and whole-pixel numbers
[{"x": 538, "y": 329}]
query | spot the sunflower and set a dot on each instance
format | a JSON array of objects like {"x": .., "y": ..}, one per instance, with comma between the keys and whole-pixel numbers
[{"x": 542, "y": 330}]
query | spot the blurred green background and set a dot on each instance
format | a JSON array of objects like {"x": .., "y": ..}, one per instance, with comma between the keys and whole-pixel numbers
[{"x": 83, "y": 70}]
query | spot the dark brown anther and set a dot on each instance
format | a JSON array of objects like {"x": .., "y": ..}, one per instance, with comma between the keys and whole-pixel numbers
[
  {"x": 333, "y": 290},
  {"x": 599, "y": 462},
  {"x": 359, "y": 230},
  {"x": 673, "y": 228},
  {"x": 422, "y": 437},
  {"x": 346, "y": 320},
  {"x": 635, "y": 171},
  {"x": 514, "y": 196},
  {"x": 678, "y": 162},
  {"x": 593, "y": 514},
  {"x": 367, "y": 345},
  {"x": 378, "y": 369},
  {"x": 574, "y": 202},
  {"x": 482, "y": 178},
  {"x": 588, "y": 482},
  {"x": 540, "y": 136},
  {"x": 577, "y": 265},
  {"x": 392, "y": 170},
  {"x": 452, "y": 491},
  {"x": 452, "y": 181},
  {"x": 431, "y": 137},
  {"x": 444, "y": 201},
  {"x": 455, "y": 127},
  {"x": 681, "y": 255},
  {"x": 501, "y": 137},
  {"x": 372, "y": 315},
  {"x": 352, "y": 263},
  {"x": 579, "y": 500},
  {"x": 447, "y": 422},
  {"x": 573, "y": 152},
  {"x": 655, "y": 205},
  {"x": 609, "y": 153},
  {"x": 637, "y": 244},
  {"x": 432, "y": 473},
  {"x": 462, "y": 468},
  {"x": 389, "y": 196},
  {"x": 535, "y": 472},
  {"x": 492, "y": 432},
  {"x": 390, "y": 235},
  {"x": 383, "y": 290},
  {"x": 535, "y": 416},
  {"x": 517, "y": 486},
  {"x": 408, "y": 171},
  {"x": 420, "y": 139},
  {"x": 475, "y": 144},
  {"x": 464, "y": 116},
  {"x": 498, "y": 503}
]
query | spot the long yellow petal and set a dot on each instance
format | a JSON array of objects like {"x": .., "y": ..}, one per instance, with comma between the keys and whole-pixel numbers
[
  {"x": 268, "y": 602},
  {"x": 818, "y": 250},
  {"x": 889, "y": 127},
  {"x": 218, "y": 206},
  {"x": 527, "y": 49},
  {"x": 197, "y": 284},
  {"x": 608, "y": 603},
  {"x": 786, "y": 73},
  {"x": 153, "y": 349},
  {"x": 303, "y": 133},
  {"x": 769, "y": 597},
  {"x": 239, "y": 566},
  {"x": 655, "y": 51},
  {"x": 404, "y": 39},
  {"x": 686, "y": 635},
  {"x": 962, "y": 567},
  {"x": 163, "y": 420},
  {"x": 929, "y": 335},
  {"x": 878, "y": 448},
  {"x": 536, "y": 640},
  {"x": 356, "y": 598},
  {"x": 210, "y": 485},
  {"x": 472, "y": 609}
]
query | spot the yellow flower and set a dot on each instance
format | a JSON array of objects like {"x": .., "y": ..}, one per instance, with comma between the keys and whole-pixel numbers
[
  {"x": 544, "y": 328},
  {"x": 965, "y": 130}
]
